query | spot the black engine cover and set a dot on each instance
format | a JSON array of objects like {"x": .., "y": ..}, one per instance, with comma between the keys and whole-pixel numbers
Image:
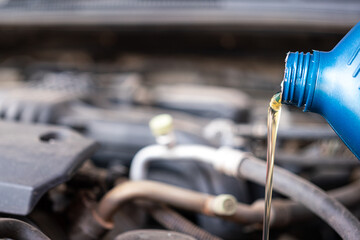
[{"x": 34, "y": 159}]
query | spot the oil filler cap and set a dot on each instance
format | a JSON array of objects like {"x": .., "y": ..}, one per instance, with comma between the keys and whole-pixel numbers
[{"x": 34, "y": 159}]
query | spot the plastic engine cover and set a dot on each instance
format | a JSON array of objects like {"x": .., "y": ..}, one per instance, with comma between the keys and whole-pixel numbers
[{"x": 34, "y": 159}]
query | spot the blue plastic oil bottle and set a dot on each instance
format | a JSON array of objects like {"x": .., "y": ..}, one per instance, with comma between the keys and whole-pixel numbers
[{"x": 328, "y": 83}]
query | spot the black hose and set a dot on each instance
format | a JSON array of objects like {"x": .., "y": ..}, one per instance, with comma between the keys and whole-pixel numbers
[
  {"x": 152, "y": 234},
  {"x": 313, "y": 160},
  {"x": 19, "y": 230},
  {"x": 300, "y": 190},
  {"x": 171, "y": 220},
  {"x": 293, "y": 132}
]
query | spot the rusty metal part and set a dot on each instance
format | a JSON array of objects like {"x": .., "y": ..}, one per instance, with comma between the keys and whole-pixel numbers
[
  {"x": 132, "y": 216},
  {"x": 249, "y": 214},
  {"x": 154, "y": 191},
  {"x": 283, "y": 211},
  {"x": 171, "y": 220},
  {"x": 88, "y": 228}
]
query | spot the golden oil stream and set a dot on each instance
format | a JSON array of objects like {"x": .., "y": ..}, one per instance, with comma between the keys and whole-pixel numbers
[{"x": 274, "y": 112}]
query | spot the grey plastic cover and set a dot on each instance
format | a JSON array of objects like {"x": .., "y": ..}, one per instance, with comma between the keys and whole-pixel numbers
[{"x": 34, "y": 159}]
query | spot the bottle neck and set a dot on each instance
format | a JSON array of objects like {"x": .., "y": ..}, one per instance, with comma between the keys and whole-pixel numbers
[{"x": 300, "y": 77}]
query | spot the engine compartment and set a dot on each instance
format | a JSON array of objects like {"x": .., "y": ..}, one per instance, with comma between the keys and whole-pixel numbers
[{"x": 106, "y": 85}]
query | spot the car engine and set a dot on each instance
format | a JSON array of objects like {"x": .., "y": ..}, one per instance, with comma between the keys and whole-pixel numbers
[{"x": 117, "y": 123}]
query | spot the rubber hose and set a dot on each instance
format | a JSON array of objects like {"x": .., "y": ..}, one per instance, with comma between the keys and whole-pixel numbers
[
  {"x": 171, "y": 220},
  {"x": 299, "y": 190},
  {"x": 19, "y": 230}
]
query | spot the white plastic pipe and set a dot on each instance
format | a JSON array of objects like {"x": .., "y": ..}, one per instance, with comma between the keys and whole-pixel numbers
[{"x": 223, "y": 159}]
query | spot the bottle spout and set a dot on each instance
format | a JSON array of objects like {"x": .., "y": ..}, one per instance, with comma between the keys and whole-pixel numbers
[{"x": 300, "y": 76}]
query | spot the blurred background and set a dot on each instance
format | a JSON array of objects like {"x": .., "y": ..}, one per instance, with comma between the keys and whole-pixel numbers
[{"x": 105, "y": 68}]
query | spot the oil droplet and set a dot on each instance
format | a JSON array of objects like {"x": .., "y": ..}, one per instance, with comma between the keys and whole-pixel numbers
[{"x": 275, "y": 102}]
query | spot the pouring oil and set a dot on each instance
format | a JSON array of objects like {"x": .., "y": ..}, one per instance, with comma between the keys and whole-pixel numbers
[{"x": 274, "y": 112}]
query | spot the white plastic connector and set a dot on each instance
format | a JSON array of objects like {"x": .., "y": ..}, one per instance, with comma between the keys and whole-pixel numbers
[
  {"x": 224, "y": 205},
  {"x": 228, "y": 160}
]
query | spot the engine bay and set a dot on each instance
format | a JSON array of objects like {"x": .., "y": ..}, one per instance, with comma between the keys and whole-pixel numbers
[{"x": 161, "y": 134}]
